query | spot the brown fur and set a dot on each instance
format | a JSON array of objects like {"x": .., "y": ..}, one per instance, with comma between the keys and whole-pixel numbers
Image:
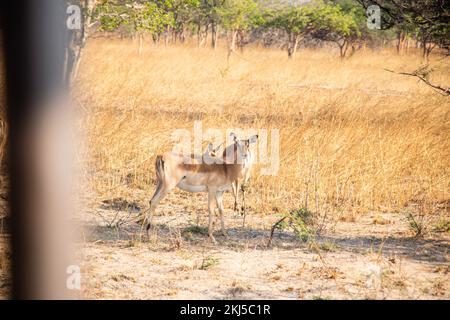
[{"x": 215, "y": 178}]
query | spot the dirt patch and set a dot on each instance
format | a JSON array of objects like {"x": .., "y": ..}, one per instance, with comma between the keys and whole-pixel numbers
[{"x": 353, "y": 260}]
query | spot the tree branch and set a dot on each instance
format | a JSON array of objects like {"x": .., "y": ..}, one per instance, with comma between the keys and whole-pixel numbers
[{"x": 445, "y": 91}]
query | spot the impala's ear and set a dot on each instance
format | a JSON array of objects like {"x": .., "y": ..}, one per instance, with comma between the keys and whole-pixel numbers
[
  {"x": 209, "y": 148},
  {"x": 217, "y": 148},
  {"x": 253, "y": 139},
  {"x": 233, "y": 136}
]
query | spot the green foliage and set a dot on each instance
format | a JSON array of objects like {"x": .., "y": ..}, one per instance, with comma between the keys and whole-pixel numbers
[
  {"x": 196, "y": 229},
  {"x": 182, "y": 12},
  {"x": 138, "y": 17},
  {"x": 110, "y": 15},
  {"x": 326, "y": 21},
  {"x": 427, "y": 20},
  {"x": 239, "y": 14},
  {"x": 298, "y": 220},
  {"x": 317, "y": 17},
  {"x": 327, "y": 246},
  {"x": 294, "y": 20},
  {"x": 442, "y": 226},
  {"x": 339, "y": 21},
  {"x": 415, "y": 225},
  {"x": 206, "y": 11},
  {"x": 332, "y": 23},
  {"x": 208, "y": 263}
]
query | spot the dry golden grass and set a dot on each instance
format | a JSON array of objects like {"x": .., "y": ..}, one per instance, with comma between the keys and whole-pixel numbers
[{"x": 354, "y": 138}]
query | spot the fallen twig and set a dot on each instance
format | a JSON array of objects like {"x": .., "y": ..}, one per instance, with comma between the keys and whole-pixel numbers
[{"x": 273, "y": 230}]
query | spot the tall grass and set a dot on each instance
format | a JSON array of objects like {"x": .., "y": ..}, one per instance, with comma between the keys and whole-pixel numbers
[{"x": 354, "y": 137}]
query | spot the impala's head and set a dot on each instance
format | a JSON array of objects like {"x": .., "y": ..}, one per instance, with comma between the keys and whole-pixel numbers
[
  {"x": 242, "y": 146},
  {"x": 210, "y": 155},
  {"x": 211, "y": 151}
]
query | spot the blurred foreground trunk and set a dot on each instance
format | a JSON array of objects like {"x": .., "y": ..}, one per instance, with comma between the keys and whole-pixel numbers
[{"x": 40, "y": 153}]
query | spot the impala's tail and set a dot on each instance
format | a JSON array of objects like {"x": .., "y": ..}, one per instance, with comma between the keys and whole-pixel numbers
[{"x": 159, "y": 167}]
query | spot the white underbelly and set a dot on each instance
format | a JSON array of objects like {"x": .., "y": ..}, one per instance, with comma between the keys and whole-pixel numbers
[
  {"x": 225, "y": 187},
  {"x": 191, "y": 188},
  {"x": 200, "y": 188}
]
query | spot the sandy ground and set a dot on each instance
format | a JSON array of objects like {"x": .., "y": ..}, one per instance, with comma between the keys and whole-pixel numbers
[{"x": 374, "y": 257}]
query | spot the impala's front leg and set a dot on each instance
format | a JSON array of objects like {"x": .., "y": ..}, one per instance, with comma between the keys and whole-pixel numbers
[
  {"x": 244, "y": 189},
  {"x": 235, "y": 189},
  {"x": 243, "y": 204},
  {"x": 211, "y": 207}
]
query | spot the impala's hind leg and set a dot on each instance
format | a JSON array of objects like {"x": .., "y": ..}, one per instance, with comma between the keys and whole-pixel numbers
[
  {"x": 163, "y": 188},
  {"x": 159, "y": 194},
  {"x": 165, "y": 184},
  {"x": 211, "y": 206},
  {"x": 219, "y": 200}
]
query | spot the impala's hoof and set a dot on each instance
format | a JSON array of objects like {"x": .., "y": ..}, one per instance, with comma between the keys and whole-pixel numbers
[{"x": 211, "y": 237}]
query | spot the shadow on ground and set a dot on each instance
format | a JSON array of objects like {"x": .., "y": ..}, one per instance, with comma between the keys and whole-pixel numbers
[{"x": 429, "y": 251}]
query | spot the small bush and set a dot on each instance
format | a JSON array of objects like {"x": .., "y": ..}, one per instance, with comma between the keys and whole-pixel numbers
[
  {"x": 442, "y": 226},
  {"x": 209, "y": 262},
  {"x": 298, "y": 220},
  {"x": 196, "y": 229},
  {"x": 416, "y": 225}
]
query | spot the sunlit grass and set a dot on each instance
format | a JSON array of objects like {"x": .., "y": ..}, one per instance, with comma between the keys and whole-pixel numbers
[{"x": 354, "y": 137}]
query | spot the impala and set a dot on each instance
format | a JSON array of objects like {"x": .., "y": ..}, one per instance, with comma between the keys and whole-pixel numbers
[
  {"x": 236, "y": 185},
  {"x": 213, "y": 174}
]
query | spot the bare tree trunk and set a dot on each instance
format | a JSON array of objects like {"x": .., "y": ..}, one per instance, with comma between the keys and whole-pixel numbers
[
  {"x": 427, "y": 46},
  {"x": 74, "y": 51},
  {"x": 39, "y": 148},
  {"x": 240, "y": 40},
  {"x": 166, "y": 36},
  {"x": 206, "y": 33},
  {"x": 400, "y": 41},
  {"x": 201, "y": 36},
  {"x": 174, "y": 35},
  {"x": 214, "y": 34},
  {"x": 296, "y": 41},
  {"x": 141, "y": 40},
  {"x": 355, "y": 47},
  {"x": 343, "y": 47},
  {"x": 232, "y": 44},
  {"x": 418, "y": 43},
  {"x": 425, "y": 53},
  {"x": 182, "y": 36},
  {"x": 293, "y": 41},
  {"x": 428, "y": 49},
  {"x": 290, "y": 48}
]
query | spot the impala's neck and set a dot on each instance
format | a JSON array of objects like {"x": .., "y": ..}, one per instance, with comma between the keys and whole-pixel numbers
[{"x": 232, "y": 157}]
